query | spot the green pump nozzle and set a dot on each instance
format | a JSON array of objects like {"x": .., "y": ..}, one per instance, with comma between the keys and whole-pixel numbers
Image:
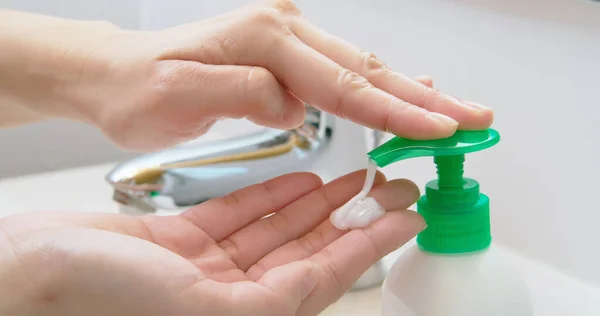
[{"x": 456, "y": 213}]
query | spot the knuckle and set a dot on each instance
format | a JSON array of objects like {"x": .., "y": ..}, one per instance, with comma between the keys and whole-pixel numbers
[
  {"x": 287, "y": 7},
  {"x": 267, "y": 29},
  {"x": 150, "y": 95},
  {"x": 429, "y": 96},
  {"x": 163, "y": 75},
  {"x": 164, "y": 80},
  {"x": 349, "y": 83},
  {"x": 270, "y": 18},
  {"x": 166, "y": 75},
  {"x": 226, "y": 48},
  {"x": 371, "y": 64},
  {"x": 393, "y": 112},
  {"x": 349, "y": 80}
]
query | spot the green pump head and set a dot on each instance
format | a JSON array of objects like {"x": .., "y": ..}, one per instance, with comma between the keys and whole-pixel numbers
[{"x": 457, "y": 214}]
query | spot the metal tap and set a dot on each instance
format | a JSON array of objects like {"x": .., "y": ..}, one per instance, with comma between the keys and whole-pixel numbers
[{"x": 184, "y": 176}]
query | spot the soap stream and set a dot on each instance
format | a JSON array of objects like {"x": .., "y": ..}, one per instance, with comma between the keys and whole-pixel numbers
[{"x": 360, "y": 210}]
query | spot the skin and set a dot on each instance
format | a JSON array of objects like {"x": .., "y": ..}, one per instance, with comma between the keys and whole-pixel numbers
[
  {"x": 219, "y": 258},
  {"x": 150, "y": 90}
]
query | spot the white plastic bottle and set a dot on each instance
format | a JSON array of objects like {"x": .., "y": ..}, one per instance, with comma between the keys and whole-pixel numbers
[
  {"x": 480, "y": 283},
  {"x": 454, "y": 270}
]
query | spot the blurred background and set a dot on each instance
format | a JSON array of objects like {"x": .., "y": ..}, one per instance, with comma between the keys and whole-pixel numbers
[{"x": 536, "y": 62}]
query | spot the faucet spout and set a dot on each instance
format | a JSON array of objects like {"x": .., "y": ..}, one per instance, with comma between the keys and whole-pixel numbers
[{"x": 185, "y": 176}]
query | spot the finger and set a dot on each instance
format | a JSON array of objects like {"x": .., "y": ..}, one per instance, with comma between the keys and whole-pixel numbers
[
  {"x": 321, "y": 82},
  {"x": 227, "y": 91},
  {"x": 349, "y": 257},
  {"x": 395, "y": 194},
  {"x": 292, "y": 282},
  {"x": 221, "y": 217},
  {"x": 254, "y": 241},
  {"x": 469, "y": 115},
  {"x": 317, "y": 80}
]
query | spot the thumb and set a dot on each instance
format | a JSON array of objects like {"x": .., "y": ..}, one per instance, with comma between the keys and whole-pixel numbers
[{"x": 293, "y": 281}]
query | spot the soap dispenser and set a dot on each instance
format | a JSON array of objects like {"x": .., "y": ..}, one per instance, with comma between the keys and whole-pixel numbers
[{"x": 454, "y": 269}]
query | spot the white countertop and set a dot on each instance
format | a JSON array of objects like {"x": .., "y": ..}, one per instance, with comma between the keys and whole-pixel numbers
[{"x": 84, "y": 190}]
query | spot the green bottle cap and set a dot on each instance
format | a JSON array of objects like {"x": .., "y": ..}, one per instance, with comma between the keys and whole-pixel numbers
[{"x": 456, "y": 212}]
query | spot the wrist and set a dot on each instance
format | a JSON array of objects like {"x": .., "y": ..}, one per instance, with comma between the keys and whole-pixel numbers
[{"x": 49, "y": 61}]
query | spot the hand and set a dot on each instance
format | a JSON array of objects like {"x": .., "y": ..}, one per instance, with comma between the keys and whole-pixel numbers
[
  {"x": 149, "y": 90},
  {"x": 219, "y": 258}
]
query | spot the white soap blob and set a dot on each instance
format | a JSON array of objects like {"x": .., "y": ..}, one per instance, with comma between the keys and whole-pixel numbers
[
  {"x": 362, "y": 214},
  {"x": 360, "y": 210}
]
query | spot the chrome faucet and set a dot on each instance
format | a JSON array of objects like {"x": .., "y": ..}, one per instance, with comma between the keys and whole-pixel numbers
[{"x": 184, "y": 176}]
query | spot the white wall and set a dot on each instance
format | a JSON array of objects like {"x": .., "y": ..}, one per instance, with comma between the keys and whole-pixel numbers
[
  {"x": 54, "y": 145},
  {"x": 536, "y": 62}
]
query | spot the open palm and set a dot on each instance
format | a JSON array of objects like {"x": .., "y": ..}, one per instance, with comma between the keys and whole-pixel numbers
[{"x": 223, "y": 257}]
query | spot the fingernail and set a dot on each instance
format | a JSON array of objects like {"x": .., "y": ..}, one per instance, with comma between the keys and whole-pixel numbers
[
  {"x": 423, "y": 222},
  {"x": 476, "y": 106},
  {"x": 466, "y": 104},
  {"x": 373, "y": 62},
  {"x": 443, "y": 119},
  {"x": 425, "y": 80},
  {"x": 417, "y": 219}
]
